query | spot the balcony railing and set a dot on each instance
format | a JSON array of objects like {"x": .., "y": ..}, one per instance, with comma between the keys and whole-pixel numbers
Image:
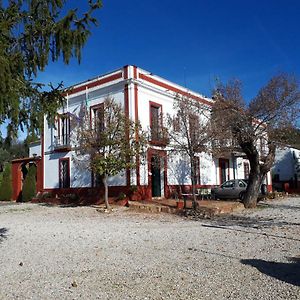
[
  {"x": 62, "y": 142},
  {"x": 159, "y": 136}
]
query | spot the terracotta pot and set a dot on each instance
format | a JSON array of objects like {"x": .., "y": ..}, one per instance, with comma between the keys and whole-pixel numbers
[{"x": 180, "y": 205}]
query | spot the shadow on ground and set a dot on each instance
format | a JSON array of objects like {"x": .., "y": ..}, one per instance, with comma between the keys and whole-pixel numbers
[
  {"x": 250, "y": 222},
  {"x": 246, "y": 224},
  {"x": 3, "y": 234},
  {"x": 286, "y": 272}
]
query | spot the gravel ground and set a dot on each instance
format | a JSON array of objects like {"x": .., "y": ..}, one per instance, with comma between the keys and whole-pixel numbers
[{"x": 81, "y": 253}]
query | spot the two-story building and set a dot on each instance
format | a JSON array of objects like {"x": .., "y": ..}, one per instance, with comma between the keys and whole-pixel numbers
[{"x": 144, "y": 97}]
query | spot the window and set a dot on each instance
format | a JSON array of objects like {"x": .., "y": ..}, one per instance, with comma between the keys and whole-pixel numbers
[
  {"x": 246, "y": 170},
  {"x": 197, "y": 169},
  {"x": 176, "y": 124},
  {"x": 155, "y": 121},
  {"x": 64, "y": 173},
  {"x": 98, "y": 117},
  {"x": 63, "y": 131},
  {"x": 193, "y": 124}
]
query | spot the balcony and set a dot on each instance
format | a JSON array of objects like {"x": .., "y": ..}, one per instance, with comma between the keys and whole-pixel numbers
[
  {"x": 159, "y": 136},
  {"x": 62, "y": 143}
]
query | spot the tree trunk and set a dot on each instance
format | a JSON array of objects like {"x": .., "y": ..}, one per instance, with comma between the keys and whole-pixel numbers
[
  {"x": 253, "y": 188},
  {"x": 105, "y": 191},
  {"x": 194, "y": 200}
]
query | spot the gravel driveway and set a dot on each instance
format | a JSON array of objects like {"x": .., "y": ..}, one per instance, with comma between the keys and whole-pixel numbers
[{"x": 81, "y": 253}]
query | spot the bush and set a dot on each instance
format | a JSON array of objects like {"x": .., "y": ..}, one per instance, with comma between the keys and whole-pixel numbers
[
  {"x": 6, "y": 184},
  {"x": 29, "y": 185}
]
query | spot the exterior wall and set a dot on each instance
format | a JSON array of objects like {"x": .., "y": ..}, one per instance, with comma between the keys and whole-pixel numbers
[
  {"x": 287, "y": 164},
  {"x": 35, "y": 149}
]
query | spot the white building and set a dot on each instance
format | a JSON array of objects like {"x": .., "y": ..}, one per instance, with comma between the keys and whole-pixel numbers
[
  {"x": 286, "y": 168},
  {"x": 142, "y": 94}
]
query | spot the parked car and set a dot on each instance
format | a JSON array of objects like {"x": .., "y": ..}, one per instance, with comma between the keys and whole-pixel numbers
[{"x": 233, "y": 189}]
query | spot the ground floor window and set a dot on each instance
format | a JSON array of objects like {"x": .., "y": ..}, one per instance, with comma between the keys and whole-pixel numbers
[
  {"x": 246, "y": 170},
  {"x": 64, "y": 173}
]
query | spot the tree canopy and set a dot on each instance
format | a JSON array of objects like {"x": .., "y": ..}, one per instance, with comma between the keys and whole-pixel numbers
[
  {"x": 32, "y": 34},
  {"x": 259, "y": 127},
  {"x": 114, "y": 143}
]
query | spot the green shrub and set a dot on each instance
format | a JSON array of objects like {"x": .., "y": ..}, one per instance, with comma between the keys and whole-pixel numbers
[
  {"x": 6, "y": 184},
  {"x": 29, "y": 185},
  {"x": 122, "y": 196}
]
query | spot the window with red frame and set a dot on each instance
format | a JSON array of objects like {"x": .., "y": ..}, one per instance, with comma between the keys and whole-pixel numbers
[
  {"x": 98, "y": 117},
  {"x": 64, "y": 129},
  {"x": 156, "y": 121}
]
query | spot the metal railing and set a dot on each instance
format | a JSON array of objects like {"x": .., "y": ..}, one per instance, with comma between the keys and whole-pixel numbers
[{"x": 62, "y": 141}]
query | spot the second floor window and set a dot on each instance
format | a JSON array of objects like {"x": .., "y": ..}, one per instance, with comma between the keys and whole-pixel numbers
[
  {"x": 63, "y": 131},
  {"x": 98, "y": 118},
  {"x": 156, "y": 122},
  {"x": 197, "y": 169}
]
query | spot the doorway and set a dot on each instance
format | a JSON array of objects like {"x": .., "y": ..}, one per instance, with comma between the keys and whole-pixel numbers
[
  {"x": 224, "y": 170},
  {"x": 155, "y": 176}
]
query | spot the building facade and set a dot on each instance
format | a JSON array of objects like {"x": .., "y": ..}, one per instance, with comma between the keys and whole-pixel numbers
[{"x": 144, "y": 96}]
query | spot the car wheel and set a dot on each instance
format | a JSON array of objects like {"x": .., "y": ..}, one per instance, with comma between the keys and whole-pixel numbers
[{"x": 242, "y": 196}]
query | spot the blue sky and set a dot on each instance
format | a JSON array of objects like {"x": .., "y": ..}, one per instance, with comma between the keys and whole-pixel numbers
[{"x": 191, "y": 42}]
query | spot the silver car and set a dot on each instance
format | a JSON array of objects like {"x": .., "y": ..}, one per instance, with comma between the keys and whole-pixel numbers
[{"x": 231, "y": 189}]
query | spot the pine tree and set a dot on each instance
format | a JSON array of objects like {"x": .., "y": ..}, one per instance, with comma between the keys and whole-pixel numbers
[
  {"x": 33, "y": 33},
  {"x": 29, "y": 185},
  {"x": 6, "y": 184}
]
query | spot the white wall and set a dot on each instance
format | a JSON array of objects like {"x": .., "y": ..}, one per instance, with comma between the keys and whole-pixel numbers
[
  {"x": 35, "y": 149},
  {"x": 286, "y": 163}
]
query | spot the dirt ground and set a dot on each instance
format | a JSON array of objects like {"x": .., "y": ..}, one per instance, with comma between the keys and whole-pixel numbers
[{"x": 50, "y": 252}]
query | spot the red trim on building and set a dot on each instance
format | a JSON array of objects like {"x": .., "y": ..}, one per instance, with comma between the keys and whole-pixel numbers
[
  {"x": 134, "y": 72},
  {"x": 125, "y": 70},
  {"x": 96, "y": 83},
  {"x": 173, "y": 89},
  {"x": 136, "y": 116},
  {"x": 17, "y": 175}
]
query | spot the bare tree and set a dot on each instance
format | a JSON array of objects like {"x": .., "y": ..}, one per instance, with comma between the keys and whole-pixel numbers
[
  {"x": 256, "y": 128},
  {"x": 189, "y": 132},
  {"x": 109, "y": 141}
]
